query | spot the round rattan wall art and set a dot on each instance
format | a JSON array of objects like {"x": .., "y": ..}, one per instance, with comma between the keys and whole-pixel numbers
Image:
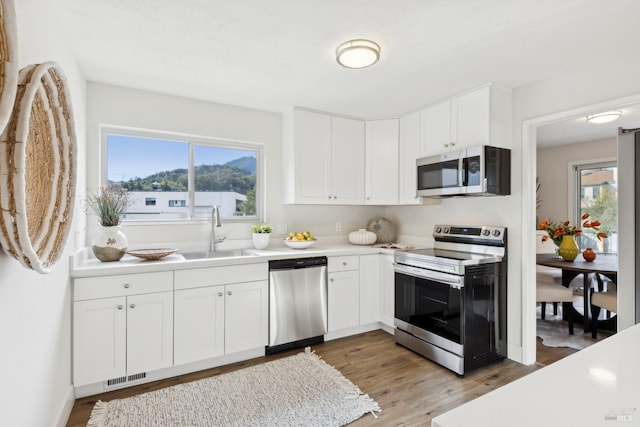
[
  {"x": 8, "y": 61},
  {"x": 38, "y": 169}
]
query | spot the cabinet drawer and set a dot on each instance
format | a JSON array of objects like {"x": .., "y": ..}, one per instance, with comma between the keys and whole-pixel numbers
[
  {"x": 223, "y": 275},
  {"x": 122, "y": 285},
  {"x": 342, "y": 263}
]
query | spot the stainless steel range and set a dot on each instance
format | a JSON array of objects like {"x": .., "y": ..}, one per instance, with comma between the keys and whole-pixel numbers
[{"x": 451, "y": 300}]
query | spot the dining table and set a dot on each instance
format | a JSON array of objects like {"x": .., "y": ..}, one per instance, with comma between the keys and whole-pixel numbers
[{"x": 604, "y": 265}]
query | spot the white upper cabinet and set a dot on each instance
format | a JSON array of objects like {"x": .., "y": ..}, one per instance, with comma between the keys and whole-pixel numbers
[
  {"x": 347, "y": 161},
  {"x": 323, "y": 159},
  {"x": 478, "y": 117},
  {"x": 408, "y": 152},
  {"x": 381, "y": 182}
]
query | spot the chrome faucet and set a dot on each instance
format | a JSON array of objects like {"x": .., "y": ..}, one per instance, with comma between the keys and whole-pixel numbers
[{"x": 215, "y": 222}]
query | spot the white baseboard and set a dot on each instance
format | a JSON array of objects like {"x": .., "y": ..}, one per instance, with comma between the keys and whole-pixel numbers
[{"x": 67, "y": 407}]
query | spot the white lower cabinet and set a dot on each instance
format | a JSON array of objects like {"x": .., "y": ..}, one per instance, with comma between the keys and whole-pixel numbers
[
  {"x": 343, "y": 295},
  {"x": 199, "y": 324},
  {"x": 370, "y": 293},
  {"x": 214, "y": 317},
  {"x": 246, "y": 316},
  {"x": 124, "y": 335},
  {"x": 387, "y": 277}
]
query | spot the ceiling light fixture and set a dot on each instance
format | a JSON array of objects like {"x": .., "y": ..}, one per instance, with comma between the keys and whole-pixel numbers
[
  {"x": 607, "y": 117},
  {"x": 358, "y": 53}
]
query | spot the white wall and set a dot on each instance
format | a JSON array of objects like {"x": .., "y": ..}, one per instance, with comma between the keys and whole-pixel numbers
[
  {"x": 553, "y": 169},
  {"x": 35, "y": 325},
  {"x": 118, "y": 106}
]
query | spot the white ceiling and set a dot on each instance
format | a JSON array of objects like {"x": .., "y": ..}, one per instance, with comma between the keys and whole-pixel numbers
[{"x": 274, "y": 54}]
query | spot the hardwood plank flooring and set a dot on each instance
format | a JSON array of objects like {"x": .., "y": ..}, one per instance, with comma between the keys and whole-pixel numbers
[{"x": 410, "y": 389}]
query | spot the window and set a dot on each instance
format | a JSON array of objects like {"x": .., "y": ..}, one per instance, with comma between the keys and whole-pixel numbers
[
  {"x": 188, "y": 174},
  {"x": 597, "y": 195}
]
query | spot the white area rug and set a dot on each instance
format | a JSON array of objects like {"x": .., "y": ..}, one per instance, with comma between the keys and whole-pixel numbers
[{"x": 300, "y": 390}]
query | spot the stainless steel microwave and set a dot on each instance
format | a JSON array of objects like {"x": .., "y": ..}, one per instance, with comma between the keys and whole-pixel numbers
[{"x": 476, "y": 171}]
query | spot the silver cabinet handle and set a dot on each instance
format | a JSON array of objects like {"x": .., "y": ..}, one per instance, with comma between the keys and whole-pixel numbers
[
  {"x": 220, "y": 294},
  {"x": 446, "y": 145},
  {"x": 120, "y": 306},
  {"x": 229, "y": 293},
  {"x": 126, "y": 286},
  {"x": 331, "y": 280},
  {"x": 344, "y": 263},
  {"x": 132, "y": 306},
  {"x": 453, "y": 144}
]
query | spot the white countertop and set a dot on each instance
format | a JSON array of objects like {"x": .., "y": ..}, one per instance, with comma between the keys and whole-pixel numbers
[
  {"x": 83, "y": 264},
  {"x": 597, "y": 386}
]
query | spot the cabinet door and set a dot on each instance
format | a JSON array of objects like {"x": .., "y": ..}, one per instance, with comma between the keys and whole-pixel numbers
[
  {"x": 347, "y": 161},
  {"x": 246, "y": 316},
  {"x": 343, "y": 300},
  {"x": 388, "y": 289},
  {"x": 99, "y": 340},
  {"x": 312, "y": 145},
  {"x": 472, "y": 118},
  {"x": 381, "y": 182},
  {"x": 370, "y": 281},
  {"x": 435, "y": 129},
  {"x": 198, "y": 324},
  {"x": 408, "y": 152},
  {"x": 149, "y": 332}
]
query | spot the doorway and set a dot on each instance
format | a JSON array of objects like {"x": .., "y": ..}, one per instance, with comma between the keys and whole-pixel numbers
[{"x": 531, "y": 129}]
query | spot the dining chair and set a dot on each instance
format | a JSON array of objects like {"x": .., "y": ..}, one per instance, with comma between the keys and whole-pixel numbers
[
  {"x": 607, "y": 299},
  {"x": 551, "y": 292},
  {"x": 547, "y": 274}
]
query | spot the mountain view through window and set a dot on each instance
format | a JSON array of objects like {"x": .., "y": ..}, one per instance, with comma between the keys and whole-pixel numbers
[{"x": 166, "y": 183}]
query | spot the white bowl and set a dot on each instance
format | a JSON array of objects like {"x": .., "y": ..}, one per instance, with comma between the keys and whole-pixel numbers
[{"x": 299, "y": 244}]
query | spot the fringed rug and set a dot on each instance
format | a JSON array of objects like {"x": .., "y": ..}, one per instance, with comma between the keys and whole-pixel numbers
[{"x": 293, "y": 391}]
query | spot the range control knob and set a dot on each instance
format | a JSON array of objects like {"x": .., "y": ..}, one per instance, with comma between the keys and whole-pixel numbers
[
  {"x": 438, "y": 229},
  {"x": 485, "y": 232},
  {"x": 446, "y": 230},
  {"x": 496, "y": 233}
]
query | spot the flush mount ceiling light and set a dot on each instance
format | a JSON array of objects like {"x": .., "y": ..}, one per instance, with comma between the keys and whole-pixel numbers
[
  {"x": 358, "y": 53},
  {"x": 607, "y": 117}
]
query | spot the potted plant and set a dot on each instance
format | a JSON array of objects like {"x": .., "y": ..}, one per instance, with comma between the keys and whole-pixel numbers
[
  {"x": 261, "y": 235},
  {"x": 109, "y": 205}
]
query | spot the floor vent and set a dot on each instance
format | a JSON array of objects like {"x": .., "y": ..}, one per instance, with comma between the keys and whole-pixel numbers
[
  {"x": 137, "y": 376},
  {"x": 116, "y": 381},
  {"x": 121, "y": 380}
]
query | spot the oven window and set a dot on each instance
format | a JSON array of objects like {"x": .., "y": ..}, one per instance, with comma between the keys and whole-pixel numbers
[
  {"x": 429, "y": 305},
  {"x": 438, "y": 175}
]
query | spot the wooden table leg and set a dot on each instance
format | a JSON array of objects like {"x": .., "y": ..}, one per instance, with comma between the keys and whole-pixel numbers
[{"x": 585, "y": 298}]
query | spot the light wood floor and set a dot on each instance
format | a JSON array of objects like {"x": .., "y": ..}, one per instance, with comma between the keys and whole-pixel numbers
[{"x": 409, "y": 388}]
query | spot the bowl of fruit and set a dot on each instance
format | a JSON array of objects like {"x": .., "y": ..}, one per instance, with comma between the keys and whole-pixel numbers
[{"x": 298, "y": 240}]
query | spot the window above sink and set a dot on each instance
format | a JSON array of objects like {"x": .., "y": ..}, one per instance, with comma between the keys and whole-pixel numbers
[{"x": 179, "y": 178}]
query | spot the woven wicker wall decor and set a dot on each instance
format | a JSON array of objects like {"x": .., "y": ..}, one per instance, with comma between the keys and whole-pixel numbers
[
  {"x": 38, "y": 169},
  {"x": 8, "y": 60}
]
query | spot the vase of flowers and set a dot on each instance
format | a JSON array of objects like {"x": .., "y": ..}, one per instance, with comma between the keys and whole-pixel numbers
[
  {"x": 109, "y": 205},
  {"x": 564, "y": 234},
  {"x": 261, "y": 235}
]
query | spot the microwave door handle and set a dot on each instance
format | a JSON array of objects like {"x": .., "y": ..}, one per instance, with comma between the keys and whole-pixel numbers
[{"x": 461, "y": 180}]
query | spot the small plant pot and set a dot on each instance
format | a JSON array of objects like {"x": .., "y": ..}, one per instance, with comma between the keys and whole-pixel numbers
[{"x": 261, "y": 240}]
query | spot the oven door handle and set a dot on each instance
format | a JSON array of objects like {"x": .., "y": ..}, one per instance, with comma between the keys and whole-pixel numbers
[{"x": 450, "y": 279}]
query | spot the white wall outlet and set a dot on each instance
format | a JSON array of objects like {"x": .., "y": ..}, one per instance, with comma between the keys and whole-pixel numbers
[
  {"x": 281, "y": 228},
  {"x": 338, "y": 226}
]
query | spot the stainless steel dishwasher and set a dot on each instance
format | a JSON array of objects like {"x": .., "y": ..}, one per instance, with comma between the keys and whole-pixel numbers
[{"x": 297, "y": 303}]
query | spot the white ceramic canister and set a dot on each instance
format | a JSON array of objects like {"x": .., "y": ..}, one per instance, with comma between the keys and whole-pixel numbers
[{"x": 362, "y": 237}]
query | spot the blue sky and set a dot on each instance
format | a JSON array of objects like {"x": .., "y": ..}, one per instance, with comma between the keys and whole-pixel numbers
[{"x": 129, "y": 157}]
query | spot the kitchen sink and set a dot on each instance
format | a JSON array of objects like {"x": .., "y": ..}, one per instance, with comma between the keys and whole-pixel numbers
[{"x": 216, "y": 254}]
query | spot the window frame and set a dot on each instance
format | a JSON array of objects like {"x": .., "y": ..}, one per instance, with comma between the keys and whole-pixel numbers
[
  {"x": 192, "y": 141},
  {"x": 575, "y": 168}
]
